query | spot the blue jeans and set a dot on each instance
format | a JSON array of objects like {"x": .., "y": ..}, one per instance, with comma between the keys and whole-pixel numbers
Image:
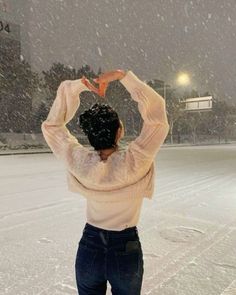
[{"x": 104, "y": 255}]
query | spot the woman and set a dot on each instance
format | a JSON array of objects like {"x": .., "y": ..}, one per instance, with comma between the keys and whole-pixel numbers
[{"x": 113, "y": 180}]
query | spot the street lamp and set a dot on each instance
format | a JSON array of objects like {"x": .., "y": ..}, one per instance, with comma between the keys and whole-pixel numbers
[
  {"x": 164, "y": 90},
  {"x": 183, "y": 79}
]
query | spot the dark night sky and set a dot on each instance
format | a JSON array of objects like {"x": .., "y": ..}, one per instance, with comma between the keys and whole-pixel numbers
[{"x": 154, "y": 38}]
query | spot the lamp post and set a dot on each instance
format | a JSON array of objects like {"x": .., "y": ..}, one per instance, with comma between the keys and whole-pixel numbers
[
  {"x": 164, "y": 89},
  {"x": 182, "y": 79}
]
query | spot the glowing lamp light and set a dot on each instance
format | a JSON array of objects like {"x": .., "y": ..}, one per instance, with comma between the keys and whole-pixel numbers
[{"x": 183, "y": 79}]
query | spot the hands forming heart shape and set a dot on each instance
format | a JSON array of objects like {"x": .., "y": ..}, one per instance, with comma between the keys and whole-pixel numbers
[
  {"x": 101, "y": 90},
  {"x": 103, "y": 81}
]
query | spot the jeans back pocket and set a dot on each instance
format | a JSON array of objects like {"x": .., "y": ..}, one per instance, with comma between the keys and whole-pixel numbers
[
  {"x": 85, "y": 259},
  {"x": 129, "y": 261}
]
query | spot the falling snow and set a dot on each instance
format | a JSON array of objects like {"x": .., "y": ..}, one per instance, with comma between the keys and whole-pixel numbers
[
  {"x": 99, "y": 51},
  {"x": 188, "y": 231}
]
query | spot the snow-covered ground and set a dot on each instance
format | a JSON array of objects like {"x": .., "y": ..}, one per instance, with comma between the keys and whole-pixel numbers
[{"x": 188, "y": 230}]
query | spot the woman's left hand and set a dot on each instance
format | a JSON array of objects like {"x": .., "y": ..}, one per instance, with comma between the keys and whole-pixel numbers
[{"x": 87, "y": 83}]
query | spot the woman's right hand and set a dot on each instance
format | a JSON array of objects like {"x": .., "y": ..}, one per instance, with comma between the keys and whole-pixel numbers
[{"x": 110, "y": 76}]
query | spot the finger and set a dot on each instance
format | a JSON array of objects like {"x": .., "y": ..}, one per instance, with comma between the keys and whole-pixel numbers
[
  {"x": 102, "y": 89},
  {"x": 96, "y": 80},
  {"x": 93, "y": 88},
  {"x": 105, "y": 87},
  {"x": 102, "y": 78},
  {"x": 84, "y": 81},
  {"x": 87, "y": 83}
]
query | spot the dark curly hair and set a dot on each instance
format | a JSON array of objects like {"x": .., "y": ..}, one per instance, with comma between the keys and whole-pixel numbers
[{"x": 100, "y": 123}]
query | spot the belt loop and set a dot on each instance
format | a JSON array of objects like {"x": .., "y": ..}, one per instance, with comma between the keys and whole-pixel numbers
[{"x": 102, "y": 237}]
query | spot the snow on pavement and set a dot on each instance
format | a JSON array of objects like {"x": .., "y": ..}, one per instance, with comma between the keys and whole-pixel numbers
[{"x": 188, "y": 230}]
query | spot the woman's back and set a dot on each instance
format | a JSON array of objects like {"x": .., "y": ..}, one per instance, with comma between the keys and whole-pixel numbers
[{"x": 115, "y": 186}]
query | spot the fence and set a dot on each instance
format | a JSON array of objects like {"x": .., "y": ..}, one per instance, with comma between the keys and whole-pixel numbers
[{"x": 200, "y": 139}]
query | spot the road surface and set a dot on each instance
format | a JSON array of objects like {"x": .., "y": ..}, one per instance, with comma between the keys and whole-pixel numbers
[{"x": 188, "y": 230}]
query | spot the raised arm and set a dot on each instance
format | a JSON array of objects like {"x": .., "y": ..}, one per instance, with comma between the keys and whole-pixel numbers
[
  {"x": 155, "y": 127},
  {"x": 63, "y": 109}
]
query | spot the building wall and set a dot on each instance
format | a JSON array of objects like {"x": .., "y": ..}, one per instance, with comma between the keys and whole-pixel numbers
[{"x": 14, "y": 38}]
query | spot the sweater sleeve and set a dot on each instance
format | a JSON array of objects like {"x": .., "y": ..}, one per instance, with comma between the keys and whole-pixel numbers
[
  {"x": 64, "y": 107},
  {"x": 152, "y": 108}
]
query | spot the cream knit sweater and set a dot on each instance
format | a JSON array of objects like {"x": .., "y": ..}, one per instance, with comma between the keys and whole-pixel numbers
[{"x": 114, "y": 189}]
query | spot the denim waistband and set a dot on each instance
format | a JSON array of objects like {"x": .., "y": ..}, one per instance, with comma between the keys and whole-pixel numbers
[{"x": 125, "y": 231}]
